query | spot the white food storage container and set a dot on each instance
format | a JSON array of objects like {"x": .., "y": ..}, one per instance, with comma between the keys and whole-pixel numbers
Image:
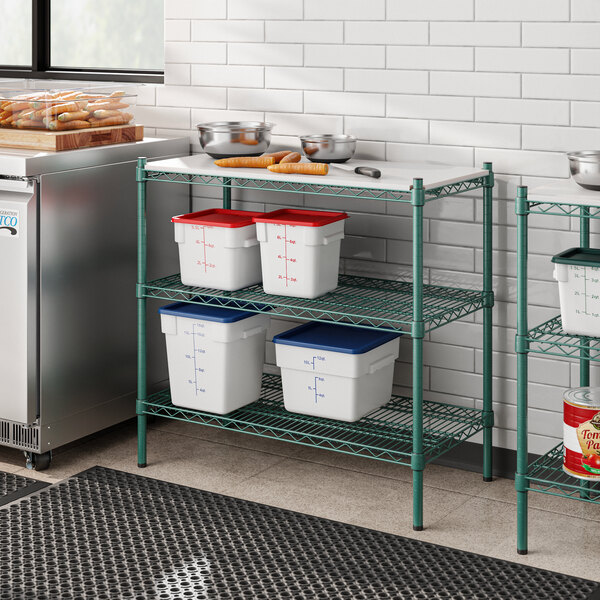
[
  {"x": 577, "y": 271},
  {"x": 336, "y": 371},
  {"x": 218, "y": 248},
  {"x": 300, "y": 251},
  {"x": 215, "y": 356}
]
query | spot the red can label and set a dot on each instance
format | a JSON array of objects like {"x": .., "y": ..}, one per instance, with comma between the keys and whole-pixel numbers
[{"x": 582, "y": 441}]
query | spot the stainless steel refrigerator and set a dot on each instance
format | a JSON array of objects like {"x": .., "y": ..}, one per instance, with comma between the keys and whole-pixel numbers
[{"x": 67, "y": 289}]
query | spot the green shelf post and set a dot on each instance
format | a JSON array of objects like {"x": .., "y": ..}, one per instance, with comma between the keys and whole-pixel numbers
[
  {"x": 488, "y": 413},
  {"x": 521, "y": 349},
  {"x": 584, "y": 361},
  {"x": 141, "y": 311},
  {"x": 417, "y": 458},
  {"x": 226, "y": 193},
  {"x": 584, "y": 242}
]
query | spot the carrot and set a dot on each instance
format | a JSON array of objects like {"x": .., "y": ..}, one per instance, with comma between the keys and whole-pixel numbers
[
  {"x": 24, "y": 123},
  {"x": 279, "y": 155},
  {"x": 16, "y": 106},
  {"x": 60, "y": 126},
  {"x": 106, "y": 105},
  {"x": 249, "y": 142},
  {"x": 105, "y": 114},
  {"x": 117, "y": 94},
  {"x": 82, "y": 96},
  {"x": 12, "y": 118},
  {"x": 306, "y": 168},
  {"x": 257, "y": 162},
  {"x": 27, "y": 114},
  {"x": 67, "y": 95},
  {"x": 79, "y": 115},
  {"x": 293, "y": 157},
  {"x": 120, "y": 120},
  {"x": 53, "y": 108}
]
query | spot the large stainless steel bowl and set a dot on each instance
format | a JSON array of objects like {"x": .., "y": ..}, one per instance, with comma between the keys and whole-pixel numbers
[
  {"x": 328, "y": 148},
  {"x": 585, "y": 168},
  {"x": 223, "y": 139}
]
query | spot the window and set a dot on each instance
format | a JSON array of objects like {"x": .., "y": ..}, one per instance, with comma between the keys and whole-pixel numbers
[{"x": 82, "y": 39}]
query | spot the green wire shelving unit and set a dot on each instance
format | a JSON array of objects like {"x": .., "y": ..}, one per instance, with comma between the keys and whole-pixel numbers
[
  {"x": 406, "y": 431},
  {"x": 546, "y": 475}
]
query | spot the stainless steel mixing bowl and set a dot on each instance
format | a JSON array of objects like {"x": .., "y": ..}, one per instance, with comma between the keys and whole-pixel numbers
[
  {"x": 328, "y": 148},
  {"x": 223, "y": 139},
  {"x": 585, "y": 168}
]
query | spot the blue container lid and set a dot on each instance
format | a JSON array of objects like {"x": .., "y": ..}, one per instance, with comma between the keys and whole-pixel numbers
[
  {"x": 336, "y": 338},
  {"x": 218, "y": 314}
]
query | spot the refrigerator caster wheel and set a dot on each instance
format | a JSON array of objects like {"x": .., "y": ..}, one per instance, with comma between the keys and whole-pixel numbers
[{"x": 38, "y": 462}]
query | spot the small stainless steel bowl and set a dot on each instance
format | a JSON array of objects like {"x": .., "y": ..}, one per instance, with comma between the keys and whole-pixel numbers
[
  {"x": 328, "y": 148},
  {"x": 223, "y": 139},
  {"x": 585, "y": 168}
]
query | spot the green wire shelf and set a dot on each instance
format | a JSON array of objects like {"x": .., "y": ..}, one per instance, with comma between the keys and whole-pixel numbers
[
  {"x": 311, "y": 188},
  {"x": 549, "y": 338},
  {"x": 546, "y": 475},
  {"x": 563, "y": 210},
  {"x": 385, "y": 434},
  {"x": 360, "y": 301}
]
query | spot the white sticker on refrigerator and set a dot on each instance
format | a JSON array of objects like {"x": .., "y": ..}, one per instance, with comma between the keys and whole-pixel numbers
[{"x": 9, "y": 223}]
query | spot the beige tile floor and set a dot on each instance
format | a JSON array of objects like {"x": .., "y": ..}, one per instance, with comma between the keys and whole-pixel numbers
[{"x": 461, "y": 510}]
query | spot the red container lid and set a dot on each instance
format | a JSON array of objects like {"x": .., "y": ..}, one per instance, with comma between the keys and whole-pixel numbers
[
  {"x": 219, "y": 217},
  {"x": 306, "y": 218}
]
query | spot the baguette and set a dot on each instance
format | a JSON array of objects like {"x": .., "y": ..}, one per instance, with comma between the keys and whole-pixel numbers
[
  {"x": 256, "y": 162},
  {"x": 278, "y": 156},
  {"x": 304, "y": 168},
  {"x": 292, "y": 157}
]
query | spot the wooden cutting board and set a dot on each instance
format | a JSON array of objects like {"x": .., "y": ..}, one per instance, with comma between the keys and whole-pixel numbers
[{"x": 54, "y": 141}]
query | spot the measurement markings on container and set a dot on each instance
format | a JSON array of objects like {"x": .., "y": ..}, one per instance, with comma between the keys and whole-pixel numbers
[
  {"x": 313, "y": 361},
  {"x": 205, "y": 247},
  {"x": 314, "y": 388},
  {"x": 196, "y": 350},
  {"x": 581, "y": 274},
  {"x": 284, "y": 256}
]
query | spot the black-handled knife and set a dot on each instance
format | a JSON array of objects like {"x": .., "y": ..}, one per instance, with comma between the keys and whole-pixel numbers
[{"x": 366, "y": 171}]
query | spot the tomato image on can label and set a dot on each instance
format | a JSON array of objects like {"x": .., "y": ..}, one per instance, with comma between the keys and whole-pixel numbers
[
  {"x": 582, "y": 433},
  {"x": 588, "y": 434}
]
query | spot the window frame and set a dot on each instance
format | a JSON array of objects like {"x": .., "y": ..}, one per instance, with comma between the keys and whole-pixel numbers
[{"x": 40, "y": 58}]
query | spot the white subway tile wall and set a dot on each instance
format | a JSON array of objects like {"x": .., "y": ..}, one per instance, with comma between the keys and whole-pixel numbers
[{"x": 463, "y": 81}]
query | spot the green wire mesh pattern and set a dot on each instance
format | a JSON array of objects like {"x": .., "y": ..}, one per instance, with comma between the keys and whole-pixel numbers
[
  {"x": 361, "y": 301},
  {"x": 312, "y": 188},
  {"x": 546, "y": 475},
  {"x": 564, "y": 210},
  {"x": 385, "y": 434},
  {"x": 549, "y": 338}
]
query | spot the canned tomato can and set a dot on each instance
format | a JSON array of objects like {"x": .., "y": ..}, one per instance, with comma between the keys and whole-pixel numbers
[{"x": 582, "y": 433}]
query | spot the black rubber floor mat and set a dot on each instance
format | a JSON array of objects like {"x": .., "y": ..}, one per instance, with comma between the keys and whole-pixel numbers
[
  {"x": 13, "y": 487},
  {"x": 105, "y": 534}
]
